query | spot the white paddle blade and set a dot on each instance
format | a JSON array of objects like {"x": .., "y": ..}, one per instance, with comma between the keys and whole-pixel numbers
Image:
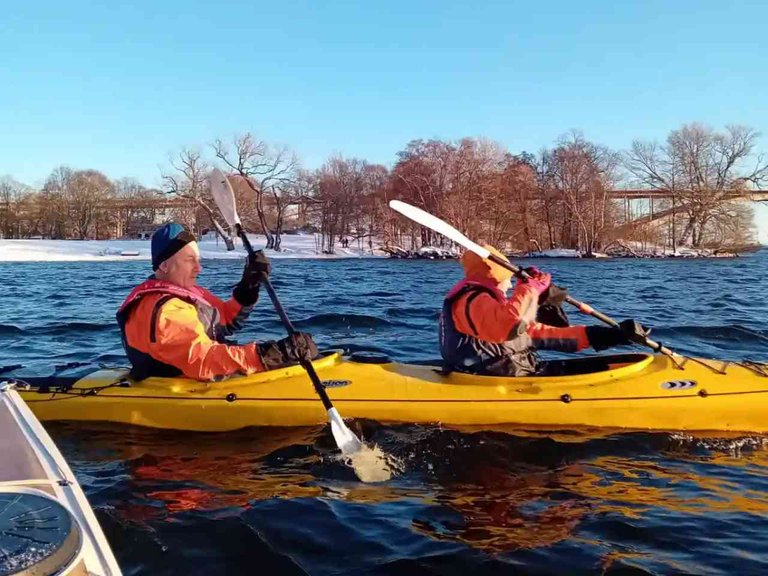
[
  {"x": 348, "y": 443},
  {"x": 434, "y": 223},
  {"x": 224, "y": 196}
]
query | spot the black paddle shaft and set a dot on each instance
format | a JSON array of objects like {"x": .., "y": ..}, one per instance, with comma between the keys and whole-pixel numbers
[
  {"x": 582, "y": 306},
  {"x": 306, "y": 364}
]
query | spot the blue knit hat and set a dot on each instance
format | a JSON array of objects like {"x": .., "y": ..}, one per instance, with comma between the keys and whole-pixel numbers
[{"x": 167, "y": 240}]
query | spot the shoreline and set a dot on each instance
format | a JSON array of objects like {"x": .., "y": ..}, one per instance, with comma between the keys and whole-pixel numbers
[
  {"x": 570, "y": 254},
  {"x": 35, "y": 250},
  {"x": 304, "y": 248}
]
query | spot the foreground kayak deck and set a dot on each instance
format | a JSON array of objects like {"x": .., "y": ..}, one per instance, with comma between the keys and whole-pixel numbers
[
  {"x": 47, "y": 525},
  {"x": 638, "y": 391}
]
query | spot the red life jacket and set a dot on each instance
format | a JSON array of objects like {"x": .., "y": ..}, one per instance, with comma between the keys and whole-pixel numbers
[
  {"x": 154, "y": 286},
  {"x": 144, "y": 365}
]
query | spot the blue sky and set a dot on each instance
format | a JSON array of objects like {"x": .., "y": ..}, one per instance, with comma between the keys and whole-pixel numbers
[{"x": 119, "y": 87}]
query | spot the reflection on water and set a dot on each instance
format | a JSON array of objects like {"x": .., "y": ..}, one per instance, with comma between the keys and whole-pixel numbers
[
  {"x": 463, "y": 494},
  {"x": 464, "y": 500}
]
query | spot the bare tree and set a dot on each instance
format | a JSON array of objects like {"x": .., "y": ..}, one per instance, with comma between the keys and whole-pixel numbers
[
  {"x": 189, "y": 180},
  {"x": 12, "y": 199},
  {"x": 732, "y": 225},
  {"x": 86, "y": 194},
  {"x": 702, "y": 169},
  {"x": 283, "y": 195},
  {"x": 421, "y": 177},
  {"x": 578, "y": 175},
  {"x": 269, "y": 173},
  {"x": 511, "y": 204},
  {"x": 372, "y": 207},
  {"x": 478, "y": 194},
  {"x": 53, "y": 204},
  {"x": 334, "y": 192}
]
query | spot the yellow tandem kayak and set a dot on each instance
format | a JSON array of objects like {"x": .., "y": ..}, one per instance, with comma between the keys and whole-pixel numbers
[{"x": 637, "y": 391}]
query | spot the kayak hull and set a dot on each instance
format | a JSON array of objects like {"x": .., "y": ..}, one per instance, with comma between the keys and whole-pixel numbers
[{"x": 635, "y": 391}]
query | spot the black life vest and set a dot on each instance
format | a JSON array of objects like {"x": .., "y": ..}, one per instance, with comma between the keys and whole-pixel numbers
[{"x": 465, "y": 353}]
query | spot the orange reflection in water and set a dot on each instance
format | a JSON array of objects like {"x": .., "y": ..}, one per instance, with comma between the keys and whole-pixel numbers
[
  {"x": 500, "y": 511},
  {"x": 506, "y": 513},
  {"x": 493, "y": 509},
  {"x": 675, "y": 485},
  {"x": 229, "y": 471}
]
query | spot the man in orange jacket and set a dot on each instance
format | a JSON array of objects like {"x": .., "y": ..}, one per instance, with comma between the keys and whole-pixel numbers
[
  {"x": 484, "y": 332},
  {"x": 172, "y": 327}
]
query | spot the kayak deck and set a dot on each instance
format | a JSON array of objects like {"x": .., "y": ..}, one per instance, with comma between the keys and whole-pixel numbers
[
  {"x": 640, "y": 391},
  {"x": 46, "y": 523}
]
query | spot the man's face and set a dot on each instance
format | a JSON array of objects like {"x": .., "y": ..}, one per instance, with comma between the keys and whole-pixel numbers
[{"x": 183, "y": 267}]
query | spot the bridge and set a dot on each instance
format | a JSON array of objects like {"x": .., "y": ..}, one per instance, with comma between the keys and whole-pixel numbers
[
  {"x": 163, "y": 202},
  {"x": 639, "y": 194},
  {"x": 647, "y": 199}
]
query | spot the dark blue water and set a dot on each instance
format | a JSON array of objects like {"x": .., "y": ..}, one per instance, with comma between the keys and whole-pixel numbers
[{"x": 508, "y": 501}]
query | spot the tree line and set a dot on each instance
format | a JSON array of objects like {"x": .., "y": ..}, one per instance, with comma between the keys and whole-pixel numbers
[{"x": 557, "y": 197}]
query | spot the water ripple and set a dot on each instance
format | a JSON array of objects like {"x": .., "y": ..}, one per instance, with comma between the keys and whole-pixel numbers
[{"x": 479, "y": 501}]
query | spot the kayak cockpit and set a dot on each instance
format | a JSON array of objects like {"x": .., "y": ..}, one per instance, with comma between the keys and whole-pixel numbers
[
  {"x": 588, "y": 369},
  {"x": 590, "y": 364}
]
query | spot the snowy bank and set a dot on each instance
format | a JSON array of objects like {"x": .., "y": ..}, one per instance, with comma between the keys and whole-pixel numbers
[
  {"x": 293, "y": 246},
  {"x": 563, "y": 253},
  {"x": 635, "y": 249}
]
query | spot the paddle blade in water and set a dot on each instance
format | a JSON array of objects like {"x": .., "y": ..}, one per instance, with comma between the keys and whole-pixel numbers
[
  {"x": 434, "y": 223},
  {"x": 224, "y": 196},
  {"x": 371, "y": 464},
  {"x": 348, "y": 443}
]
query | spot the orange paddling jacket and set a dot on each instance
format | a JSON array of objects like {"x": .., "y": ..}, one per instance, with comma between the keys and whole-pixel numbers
[{"x": 170, "y": 331}]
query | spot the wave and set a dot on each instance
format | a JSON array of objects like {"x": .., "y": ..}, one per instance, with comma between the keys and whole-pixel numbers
[
  {"x": 426, "y": 312},
  {"x": 341, "y": 321},
  {"x": 11, "y": 329},
  {"x": 434, "y": 451},
  {"x": 73, "y": 328},
  {"x": 382, "y": 294},
  {"x": 735, "y": 332},
  {"x": 112, "y": 359}
]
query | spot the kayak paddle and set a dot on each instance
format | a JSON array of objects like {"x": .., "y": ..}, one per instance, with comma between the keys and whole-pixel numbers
[
  {"x": 224, "y": 197},
  {"x": 434, "y": 223}
]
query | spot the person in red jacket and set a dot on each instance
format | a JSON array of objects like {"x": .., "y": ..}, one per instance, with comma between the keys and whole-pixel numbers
[
  {"x": 482, "y": 331},
  {"x": 173, "y": 327}
]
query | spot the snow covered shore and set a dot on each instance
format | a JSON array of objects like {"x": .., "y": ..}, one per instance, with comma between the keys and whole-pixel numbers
[{"x": 293, "y": 246}]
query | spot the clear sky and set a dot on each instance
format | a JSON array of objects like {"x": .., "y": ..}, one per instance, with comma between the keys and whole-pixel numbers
[{"x": 118, "y": 86}]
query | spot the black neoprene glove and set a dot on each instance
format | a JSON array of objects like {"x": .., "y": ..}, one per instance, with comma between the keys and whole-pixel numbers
[
  {"x": 628, "y": 331},
  {"x": 256, "y": 271},
  {"x": 554, "y": 295},
  {"x": 290, "y": 350}
]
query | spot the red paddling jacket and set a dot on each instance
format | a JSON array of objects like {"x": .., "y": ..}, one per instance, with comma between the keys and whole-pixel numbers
[{"x": 484, "y": 332}]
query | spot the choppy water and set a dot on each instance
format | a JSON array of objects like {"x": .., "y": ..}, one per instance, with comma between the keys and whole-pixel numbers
[{"x": 277, "y": 501}]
